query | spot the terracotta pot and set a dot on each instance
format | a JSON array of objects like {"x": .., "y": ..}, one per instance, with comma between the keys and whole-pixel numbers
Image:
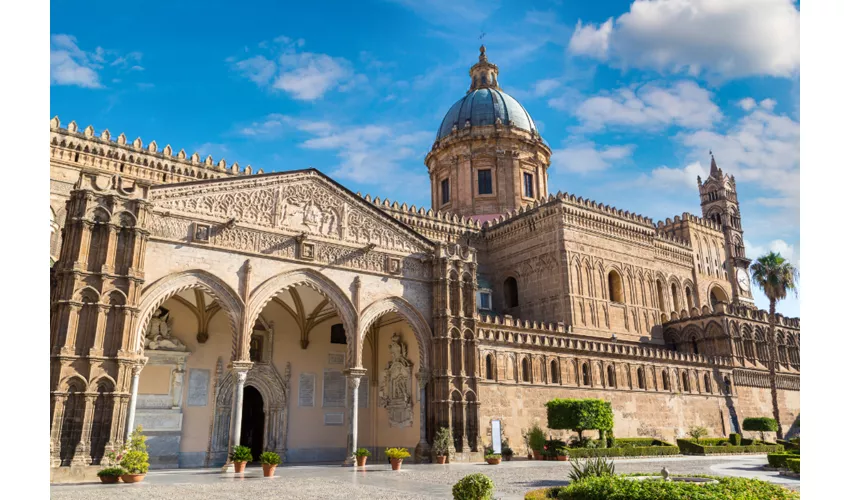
[
  {"x": 562, "y": 458},
  {"x": 268, "y": 470},
  {"x": 396, "y": 463},
  {"x": 109, "y": 479},
  {"x": 441, "y": 459},
  {"x": 239, "y": 467},
  {"x": 493, "y": 461},
  {"x": 132, "y": 478},
  {"x": 538, "y": 455},
  {"x": 530, "y": 457},
  {"x": 361, "y": 461}
]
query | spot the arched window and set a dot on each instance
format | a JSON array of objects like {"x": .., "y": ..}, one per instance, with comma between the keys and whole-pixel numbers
[
  {"x": 615, "y": 287},
  {"x": 641, "y": 379},
  {"x": 612, "y": 377},
  {"x": 553, "y": 371},
  {"x": 674, "y": 291},
  {"x": 511, "y": 293},
  {"x": 717, "y": 295},
  {"x": 665, "y": 380},
  {"x": 585, "y": 374},
  {"x": 488, "y": 367},
  {"x": 542, "y": 371},
  {"x": 526, "y": 376},
  {"x": 707, "y": 383},
  {"x": 727, "y": 386},
  {"x": 694, "y": 346},
  {"x": 689, "y": 298},
  {"x": 686, "y": 384},
  {"x": 659, "y": 290}
]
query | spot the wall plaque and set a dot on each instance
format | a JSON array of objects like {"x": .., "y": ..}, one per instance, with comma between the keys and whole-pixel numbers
[
  {"x": 336, "y": 358},
  {"x": 333, "y": 389},
  {"x": 307, "y": 389},
  {"x": 334, "y": 418},
  {"x": 199, "y": 384}
]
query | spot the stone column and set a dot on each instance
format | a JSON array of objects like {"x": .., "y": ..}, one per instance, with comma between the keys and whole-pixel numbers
[
  {"x": 134, "y": 393},
  {"x": 240, "y": 374},
  {"x": 353, "y": 375},
  {"x": 422, "y": 449},
  {"x": 177, "y": 389},
  {"x": 56, "y": 427}
]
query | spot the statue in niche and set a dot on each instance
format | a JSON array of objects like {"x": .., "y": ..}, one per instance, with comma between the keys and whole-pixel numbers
[
  {"x": 159, "y": 335},
  {"x": 395, "y": 391}
]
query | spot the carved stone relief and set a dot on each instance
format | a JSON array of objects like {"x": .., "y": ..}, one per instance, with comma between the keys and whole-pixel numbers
[{"x": 396, "y": 390}]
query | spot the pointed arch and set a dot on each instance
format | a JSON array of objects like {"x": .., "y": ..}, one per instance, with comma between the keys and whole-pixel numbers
[
  {"x": 405, "y": 309},
  {"x": 155, "y": 294}
]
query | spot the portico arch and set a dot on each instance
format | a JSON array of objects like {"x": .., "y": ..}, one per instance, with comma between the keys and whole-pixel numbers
[
  {"x": 404, "y": 309},
  {"x": 337, "y": 298},
  {"x": 155, "y": 294}
]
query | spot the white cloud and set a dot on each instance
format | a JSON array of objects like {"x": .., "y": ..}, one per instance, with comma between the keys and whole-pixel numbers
[
  {"x": 781, "y": 247},
  {"x": 305, "y": 76},
  {"x": 591, "y": 40},
  {"x": 665, "y": 177},
  {"x": 747, "y": 103},
  {"x": 545, "y": 87},
  {"x": 768, "y": 104},
  {"x": 684, "y": 104},
  {"x": 727, "y": 38},
  {"x": 71, "y": 65},
  {"x": 586, "y": 157}
]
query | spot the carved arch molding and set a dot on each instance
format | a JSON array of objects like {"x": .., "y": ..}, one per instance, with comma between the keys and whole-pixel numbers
[{"x": 274, "y": 389}]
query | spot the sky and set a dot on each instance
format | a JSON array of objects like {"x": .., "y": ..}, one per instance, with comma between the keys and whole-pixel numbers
[{"x": 630, "y": 96}]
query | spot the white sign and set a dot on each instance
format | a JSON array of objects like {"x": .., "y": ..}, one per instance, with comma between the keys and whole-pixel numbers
[
  {"x": 496, "y": 432},
  {"x": 336, "y": 358},
  {"x": 306, "y": 389},
  {"x": 334, "y": 418}
]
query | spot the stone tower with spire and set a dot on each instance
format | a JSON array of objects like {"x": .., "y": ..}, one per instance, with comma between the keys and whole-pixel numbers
[
  {"x": 719, "y": 202},
  {"x": 488, "y": 158}
]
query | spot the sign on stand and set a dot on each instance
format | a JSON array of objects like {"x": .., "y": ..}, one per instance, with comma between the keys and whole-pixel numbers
[{"x": 496, "y": 432}]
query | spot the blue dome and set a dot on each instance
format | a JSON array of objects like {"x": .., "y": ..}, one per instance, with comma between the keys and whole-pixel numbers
[{"x": 482, "y": 107}]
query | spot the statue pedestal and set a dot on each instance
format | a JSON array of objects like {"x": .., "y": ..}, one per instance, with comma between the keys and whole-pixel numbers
[{"x": 161, "y": 415}]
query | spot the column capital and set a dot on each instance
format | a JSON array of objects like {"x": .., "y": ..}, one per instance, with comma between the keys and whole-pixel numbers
[
  {"x": 354, "y": 373},
  {"x": 138, "y": 365},
  {"x": 240, "y": 366},
  {"x": 423, "y": 376}
]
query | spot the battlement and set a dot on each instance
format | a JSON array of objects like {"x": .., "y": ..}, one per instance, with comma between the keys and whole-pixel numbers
[
  {"x": 161, "y": 162},
  {"x": 671, "y": 225},
  {"x": 735, "y": 311},
  {"x": 508, "y": 330}
]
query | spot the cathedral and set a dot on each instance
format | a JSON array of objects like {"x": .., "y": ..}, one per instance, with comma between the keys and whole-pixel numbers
[{"x": 216, "y": 305}]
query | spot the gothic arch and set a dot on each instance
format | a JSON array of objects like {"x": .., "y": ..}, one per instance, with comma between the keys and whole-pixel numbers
[
  {"x": 155, "y": 294},
  {"x": 398, "y": 305},
  {"x": 268, "y": 290},
  {"x": 73, "y": 381},
  {"x": 105, "y": 380}
]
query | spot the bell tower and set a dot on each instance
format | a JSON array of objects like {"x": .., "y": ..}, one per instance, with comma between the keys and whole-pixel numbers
[{"x": 719, "y": 202}]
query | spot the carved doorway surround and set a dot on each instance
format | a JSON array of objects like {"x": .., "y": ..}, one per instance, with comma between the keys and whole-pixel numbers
[{"x": 274, "y": 390}]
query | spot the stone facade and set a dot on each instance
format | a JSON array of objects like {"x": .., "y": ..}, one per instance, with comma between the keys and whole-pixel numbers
[{"x": 286, "y": 299}]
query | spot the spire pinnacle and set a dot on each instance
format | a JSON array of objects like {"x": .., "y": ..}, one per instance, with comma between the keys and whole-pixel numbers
[
  {"x": 484, "y": 74},
  {"x": 713, "y": 165}
]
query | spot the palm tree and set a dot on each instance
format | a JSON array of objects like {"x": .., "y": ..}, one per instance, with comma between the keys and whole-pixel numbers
[{"x": 775, "y": 276}]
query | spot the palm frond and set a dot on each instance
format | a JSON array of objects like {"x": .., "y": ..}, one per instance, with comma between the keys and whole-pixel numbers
[{"x": 774, "y": 275}]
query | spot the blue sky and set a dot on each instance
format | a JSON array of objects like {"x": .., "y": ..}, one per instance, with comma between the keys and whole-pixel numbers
[{"x": 631, "y": 96}]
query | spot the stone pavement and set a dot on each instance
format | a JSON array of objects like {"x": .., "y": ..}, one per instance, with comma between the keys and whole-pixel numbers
[{"x": 513, "y": 479}]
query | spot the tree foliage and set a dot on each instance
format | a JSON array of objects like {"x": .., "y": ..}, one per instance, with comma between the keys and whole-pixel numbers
[{"x": 580, "y": 414}]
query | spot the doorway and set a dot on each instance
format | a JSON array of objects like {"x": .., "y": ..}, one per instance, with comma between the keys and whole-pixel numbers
[{"x": 253, "y": 421}]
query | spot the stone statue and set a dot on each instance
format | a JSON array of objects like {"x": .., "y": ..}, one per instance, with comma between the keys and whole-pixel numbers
[
  {"x": 395, "y": 391},
  {"x": 159, "y": 336},
  {"x": 665, "y": 473}
]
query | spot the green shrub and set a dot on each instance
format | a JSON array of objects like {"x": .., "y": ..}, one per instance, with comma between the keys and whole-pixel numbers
[
  {"x": 398, "y": 453},
  {"x": 778, "y": 459},
  {"x": 619, "y": 488},
  {"x": 760, "y": 425},
  {"x": 111, "y": 472},
  {"x": 793, "y": 464},
  {"x": 362, "y": 452},
  {"x": 536, "y": 438},
  {"x": 592, "y": 467},
  {"x": 443, "y": 441},
  {"x": 580, "y": 415},
  {"x": 735, "y": 439},
  {"x": 555, "y": 448},
  {"x": 492, "y": 456},
  {"x": 633, "y": 451},
  {"x": 137, "y": 440},
  {"x": 241, "y": 454},
  {"x": 712, "y": 446},
  {"x": 609, "y": 439},
  {"x": 697, "y": 431},
  {"x": 135, "y": 462},
  {"x": 790, "y": 445},
  {"x": 270, "y": 458},
  {"x": 506, "y": 450},
  {"x": 473, "y": 487}
]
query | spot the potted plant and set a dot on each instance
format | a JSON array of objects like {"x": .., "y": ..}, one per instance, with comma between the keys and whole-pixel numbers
[
  {"x": 527, "y": 446},
  {"x": 240, "y": 456},
  {"x": 536, "y": 441},
  {"x": 110, "y": 475},
  {"x": 134, "y": 460},
  {"x": 397, "y": 455},
  {"x": 493, "y": 458},
  {"x": 270, "y": 461},
  {"x": 442, "y": 442},
  {"x": 362, "y": 454},
  {"x": 507, "y": 452}
]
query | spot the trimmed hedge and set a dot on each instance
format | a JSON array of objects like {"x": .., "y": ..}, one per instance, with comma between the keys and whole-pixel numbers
[
  {"x": 789, "y": 445},
  {"x": 735, "y": 439},
  {"x": 628, "y": 447},
  {"x": 735, "y": 488},
  {"x": 779, "y": 460},
  {"x": 706, "y": 447},
  {"x": 793, "y": 464}
]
